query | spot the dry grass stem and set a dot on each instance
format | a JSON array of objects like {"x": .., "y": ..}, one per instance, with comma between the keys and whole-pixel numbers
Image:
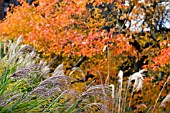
[
  {"x": 120, "y": 75},
  {"x": 113, "y": 91},
  {"x": 160, "y": 93},
  {"x": 108, "y": 66}
]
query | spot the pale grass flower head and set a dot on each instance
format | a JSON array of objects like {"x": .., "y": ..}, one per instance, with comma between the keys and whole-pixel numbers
[
  {"x": 19, "y": 40},
  {"x": 44, "y": 67},
  {"x": 120, "y": 75},
  {"x": 25, "y": 48},
  {"x": 137, "y": 77},
  {"x": 11, "y": 49},
  {"x": 104, "y": 48},
  {"x": 52, "y": 85},
  {"x": 98, "y": 91},
  {"x": 23, "y": 72},
  {"x": 166, "y": 99},
  {"x": 59, "y": 70},
  {"x": 113, "y": 89}
]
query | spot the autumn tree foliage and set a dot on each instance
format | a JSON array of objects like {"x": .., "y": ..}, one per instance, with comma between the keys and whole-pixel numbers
[
  {"x": 128, "y": 29},
  {"x": 66, "y": 27}
]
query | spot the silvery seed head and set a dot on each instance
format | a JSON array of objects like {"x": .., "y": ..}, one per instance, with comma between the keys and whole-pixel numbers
[
  {"x": 166, "y": 99},
  {"x": 137, "y": 77}
]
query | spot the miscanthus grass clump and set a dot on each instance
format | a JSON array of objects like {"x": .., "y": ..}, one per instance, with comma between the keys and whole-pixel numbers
[{"x": 28, "y": 86}]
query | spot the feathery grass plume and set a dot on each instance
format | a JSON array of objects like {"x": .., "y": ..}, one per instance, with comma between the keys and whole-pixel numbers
[
  {"x": 20, "y": 54},
  {"x": 30, "y": 59},
  {"x": 14, "y": 97},
  {"x": 100, "y": 86},
  {"x": 24, "y": 61},
  {"x": 18, "y": 61},
  {"x": 100, "y": 89},
  {"x": 16, "y": 54},
  {"x": 137, "y": 77},
  {"x": 56, "y": 83},
  {"x": 27, "y": 49},
  {"x": 166, "y": 99},
  {"x": 24, "y": 71},
  {"x": 44, "y": 91},
  {"x": 97, "y": 91},
  {"x": 13, "y": 49},
  {"x": 59, "y": 70},
  {"x": 120, "y": 75},
  {"x": 58, "y": 79},
  {"x": 44, "y": 68},
  {"x": 4, "y": 100}
]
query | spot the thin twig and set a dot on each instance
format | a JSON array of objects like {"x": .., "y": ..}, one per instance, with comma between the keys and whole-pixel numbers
[
  {"x": 160, "y": 94},
  {"x": 108, "y": 69}
]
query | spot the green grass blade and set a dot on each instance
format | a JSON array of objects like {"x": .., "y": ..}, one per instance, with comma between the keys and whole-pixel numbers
[
  {"x": 70, "y": 110},
  {"x": 57, "y": 99}
]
